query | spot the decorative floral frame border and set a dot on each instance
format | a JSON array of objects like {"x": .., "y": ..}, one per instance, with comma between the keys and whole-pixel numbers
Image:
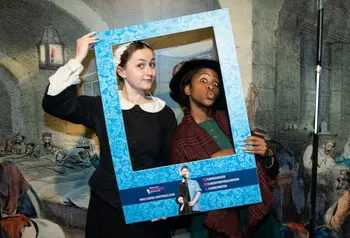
[{"x": 133, "y": 185}]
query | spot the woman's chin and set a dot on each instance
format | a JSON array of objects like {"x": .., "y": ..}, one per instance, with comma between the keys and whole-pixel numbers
[
  {"x": 208, "y": 103},
  {"x": 145, "y": 86}
]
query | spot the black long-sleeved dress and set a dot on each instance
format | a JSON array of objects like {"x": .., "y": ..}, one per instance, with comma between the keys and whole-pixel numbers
[{"x": 149, "y": 139}]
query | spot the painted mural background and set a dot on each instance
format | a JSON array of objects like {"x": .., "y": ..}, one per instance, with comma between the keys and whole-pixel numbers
[{"x": 276, "y": 46}]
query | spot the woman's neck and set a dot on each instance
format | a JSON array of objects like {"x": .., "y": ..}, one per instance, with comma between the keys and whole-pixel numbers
[
  {"x": 135, "y": 96},
  {"x": 201, "y": 114}
]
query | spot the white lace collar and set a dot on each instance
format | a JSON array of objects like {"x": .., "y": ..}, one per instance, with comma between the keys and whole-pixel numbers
[{"x": 153, "y": 107}]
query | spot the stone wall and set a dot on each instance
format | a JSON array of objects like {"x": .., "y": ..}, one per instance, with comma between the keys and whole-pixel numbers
[{"x": 284, "y": 64}]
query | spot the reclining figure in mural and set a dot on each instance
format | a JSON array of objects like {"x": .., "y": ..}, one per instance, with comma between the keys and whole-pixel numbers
[
  {"x": 51, "y": 157},
  {"x": 15, "y": 147},
  {"x": 20, "y": 207},
  {"x": 325, "y": 157},
  {"x": 83, "y": 153},
  {"x": 47, "y": 149},
  {"x": 80, "y": 157}
]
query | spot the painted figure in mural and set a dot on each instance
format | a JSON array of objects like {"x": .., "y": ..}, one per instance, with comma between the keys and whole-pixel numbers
[
  {"x": 342, "y": 179},
  {"x": 83, "y": 153},
  {"x": 20, "y": 207},
  {"x": 60, "y": 157},
  {"x": 204, "y": 132},
  {"x": 325, "y": 157},
  {"x": 29, "y": 148},
  {"x": 18, "y": 143},
  {"x": 15, "y": 191},
  {"x": 326, "y": 161},
  {"x": 8, "y": 146},
  {"x": 149, "y": 125},
  {"x": 288, "y": 167},
  {"x": 344, "y": 157},
  {"x": 80, "y": 157},
  {"x": 188, "y": 194},
  {"x": 77, "y": 159},
  {"x": 47, "y": 149},
  {"x": 16, "y": 149},
  {"x": 337, "y": 218}
]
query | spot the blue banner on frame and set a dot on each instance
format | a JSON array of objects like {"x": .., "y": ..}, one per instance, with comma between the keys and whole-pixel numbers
[
  {"x": 207, "y": 184},
  {"x": 224, "y": 182}
]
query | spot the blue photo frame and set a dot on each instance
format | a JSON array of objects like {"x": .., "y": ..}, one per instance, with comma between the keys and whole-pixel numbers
[{"x": 226, "y": 181}]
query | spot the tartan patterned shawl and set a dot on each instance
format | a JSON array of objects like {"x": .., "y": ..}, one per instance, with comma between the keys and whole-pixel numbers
[{"x": 191, "y": 143}]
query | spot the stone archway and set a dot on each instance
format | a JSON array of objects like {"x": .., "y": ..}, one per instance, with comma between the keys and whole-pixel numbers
[
  {"x": 10, "y": 107},
  {"x": 5, "y": 114}
]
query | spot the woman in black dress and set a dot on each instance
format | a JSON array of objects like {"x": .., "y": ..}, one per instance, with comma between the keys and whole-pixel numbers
[{"x": 149, "y": 125}]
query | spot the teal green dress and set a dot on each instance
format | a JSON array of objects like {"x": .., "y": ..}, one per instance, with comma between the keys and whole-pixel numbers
[{"x": 270, "y": 226}]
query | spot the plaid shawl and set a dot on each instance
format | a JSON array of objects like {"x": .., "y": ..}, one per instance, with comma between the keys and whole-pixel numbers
[{"x": 191, "y": 143}]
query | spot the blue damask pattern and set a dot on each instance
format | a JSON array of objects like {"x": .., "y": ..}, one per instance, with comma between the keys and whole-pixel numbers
[
  {"x": 209, "y": 201},
  {"x": 220, "y": 21}
]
